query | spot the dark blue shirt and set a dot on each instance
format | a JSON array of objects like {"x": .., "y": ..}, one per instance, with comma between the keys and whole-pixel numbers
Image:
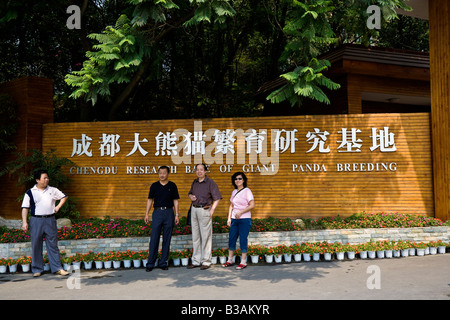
[{"x": 163, "y": 195}]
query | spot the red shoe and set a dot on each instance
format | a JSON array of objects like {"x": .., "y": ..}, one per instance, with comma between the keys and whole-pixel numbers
[
  {"x": 241, "y": 266},
  {"x": 227, "y": 264}
]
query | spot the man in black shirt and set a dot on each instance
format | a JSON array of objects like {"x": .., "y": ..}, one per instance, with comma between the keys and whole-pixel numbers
[{"x": 164, "y": 196}]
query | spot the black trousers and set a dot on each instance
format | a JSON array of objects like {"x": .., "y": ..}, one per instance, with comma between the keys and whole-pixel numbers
[{"x": 162, "y": 220}]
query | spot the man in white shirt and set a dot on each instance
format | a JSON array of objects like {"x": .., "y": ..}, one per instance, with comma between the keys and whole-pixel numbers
[{"x": 40, "y": 201}]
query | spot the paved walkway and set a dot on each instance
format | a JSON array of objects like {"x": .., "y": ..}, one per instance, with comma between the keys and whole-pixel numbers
[{"x": 408, "y": 278}]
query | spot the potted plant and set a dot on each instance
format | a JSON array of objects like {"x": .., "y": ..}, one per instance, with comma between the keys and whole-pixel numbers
[
  {"x": 12, "y": 263},
  {"x": 108, "y": 259},
  {"x": 185, "y": 255},
  {"x": 306, "y": 249},
  {"x": 66, "y": 262},
  {"x": 269, "y": 253},
  {"x": 24, "y": 262},
  {"x": 254, "y": 251},
  {"x": 441, "y": 245},
  {"x": 350, "y": 250},
  {"x": 76, "y": 261},
  {"x": 127, "y": 257},
  {"x": 87, "y": 259},
  {"x": 222, "y": 254},
  {"x": 396, "y": 250},
  {"x": 296, "y": 251},
  {"x": 143, "y": 255},
  {"x": 379, "y": 249},
  {"x": 371, "y": 248},
  {"x": 420, "y": 247},
  {"x": 46, "y": 262},
  {"x": 3, "y": 265},
  {"x": 339, "y": 250},
  {"x": 98, "y": 260},
  {"x": 175, "y": 257}
]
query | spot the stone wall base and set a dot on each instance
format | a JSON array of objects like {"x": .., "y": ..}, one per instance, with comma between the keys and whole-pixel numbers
[{"x": 352, "y": 236}]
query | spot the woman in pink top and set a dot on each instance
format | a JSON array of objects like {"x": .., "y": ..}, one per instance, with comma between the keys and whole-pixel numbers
[{"x": 239, "y": 218}]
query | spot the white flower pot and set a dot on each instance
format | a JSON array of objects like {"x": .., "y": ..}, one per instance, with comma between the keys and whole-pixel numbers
[
  {"x": 87, "y": 265},
  {"x": 184, "y": 261},
  {"x": 269, "y": 258},
  {"x": 136, "y": 263},
  {"x": 316, "y": 256},
  {"x": 254, "y": 259},
  {"x": 427, "y": 250},
  {"x": 340, "y": 255},
  {"x": 396, "y": 253},
  {"x": 67, "y": 266},
  {"x": 47, "y": 266},
  {"x": 327, "y": 256},
  {"x": 278, "y": 258},
  {"x": 98, "y": 264},
  {"x": 287, "y": 257},
  {"x": 350, "y": 255},
  {"x": 3, "y": 269},
  {"x": 222, "y": 259},
  {"x": 420, "y": 252},
  {"x": 13, "y": 268},
  {"x": 412, "y": 251},
  {"x": 371, "y": 254},
  {"x": 214, "y": 260},
  {"x": 116, "y": 264},
  {"x": 441, "y": 249},
  {"x": 363, "y": 254},
  {"x": 76, "y": 265},
  {"x": 405, "y": 252},
  {"x": 388, "y": 254},
  {"x": 433, "y": 250},
  {"x": 380, "y": 254},
  {"x": 108, "y": 264},
  {"x": 127, "y": 263},
  {"x": 176, "y": 262},
  {"x": 306, "y": 257},
  {"x": 25, "y": 267},
  {"x": 297, "y": 257}
]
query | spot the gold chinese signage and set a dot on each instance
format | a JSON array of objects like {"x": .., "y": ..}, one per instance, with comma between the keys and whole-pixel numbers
[{"x": 302, "y": 166}]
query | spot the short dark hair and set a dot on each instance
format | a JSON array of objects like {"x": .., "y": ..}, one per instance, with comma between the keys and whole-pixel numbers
[
  {"x": 38, "y": 173},
  {"x": 202, "y": 164},
  {"x": 164, "y": 167},
  {"x": 234, "y": 178}
]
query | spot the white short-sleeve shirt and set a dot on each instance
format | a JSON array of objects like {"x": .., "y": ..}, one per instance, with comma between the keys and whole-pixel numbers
[{"x": 42, "y": 203}]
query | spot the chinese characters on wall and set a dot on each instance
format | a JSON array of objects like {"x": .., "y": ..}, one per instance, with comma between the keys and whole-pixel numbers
[{"x": 213, "y": 142}]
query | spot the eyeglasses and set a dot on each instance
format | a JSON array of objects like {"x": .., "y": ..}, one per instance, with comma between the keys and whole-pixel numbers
[{"x": 238, "y": 179}]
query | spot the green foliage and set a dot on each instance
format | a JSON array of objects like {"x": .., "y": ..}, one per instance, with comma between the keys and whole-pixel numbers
[
  {"x": 120, "y": 50},
  {"x": 305, "y": 82},
  {"x": 204, "y": 57}
]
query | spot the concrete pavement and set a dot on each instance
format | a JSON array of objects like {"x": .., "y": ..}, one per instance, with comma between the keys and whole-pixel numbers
[{"x": 410, "y": 278}]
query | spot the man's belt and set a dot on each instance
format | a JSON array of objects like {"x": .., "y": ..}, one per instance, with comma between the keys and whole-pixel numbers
[
  {"x": 162, "y": 208},
  {"x": 202, "y": 207},
  {"x": 45, "y": 216}
]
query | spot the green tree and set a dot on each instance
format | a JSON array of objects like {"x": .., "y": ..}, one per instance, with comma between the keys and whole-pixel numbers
[{"x": 140, "y": 48}]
